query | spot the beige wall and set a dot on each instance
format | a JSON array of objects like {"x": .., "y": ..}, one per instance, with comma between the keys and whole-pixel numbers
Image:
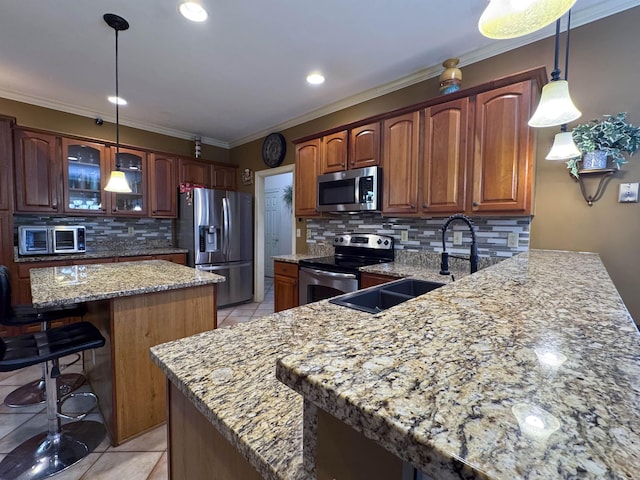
[
  {"x": 32, "y": 116},
  {"x": 604, "y": 66}
]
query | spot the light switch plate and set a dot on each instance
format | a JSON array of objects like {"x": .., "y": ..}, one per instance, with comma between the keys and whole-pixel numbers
[
  {"x": 628, "y": 193},
  {"x": 457, "y": 238},
  {"x": 512, "y": 240},
  {"x": 130, "y": 231},
  {"x": 298, "y": 234},
  {"x": 404, "y": 235}
]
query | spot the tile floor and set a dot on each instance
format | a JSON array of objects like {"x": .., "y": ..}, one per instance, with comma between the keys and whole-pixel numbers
[{"x": 144, "y": 457}]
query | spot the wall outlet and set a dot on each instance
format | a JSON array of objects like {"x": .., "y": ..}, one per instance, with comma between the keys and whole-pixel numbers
[
  {"x": 628, "y": 193},
  {"x": 512, "y": 240},
  {"x": 404, "y": 235},
  {"x": 308, "y": 234},
  {"x": 457, "y": 238},
  {"x": 130, "y": 231},
  {"x": 298, "y": 234}
]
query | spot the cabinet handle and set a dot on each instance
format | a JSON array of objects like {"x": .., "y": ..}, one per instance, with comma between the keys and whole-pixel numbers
[
  {"x": 412, "y": 205},
  {"x": 425, "y": 206}
]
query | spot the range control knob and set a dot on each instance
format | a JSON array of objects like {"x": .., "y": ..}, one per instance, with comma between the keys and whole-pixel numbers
[
  {"x": 341, "y": 239},
  {"x": 379, "y": 241},
  {"x": 386, "y": 242}
]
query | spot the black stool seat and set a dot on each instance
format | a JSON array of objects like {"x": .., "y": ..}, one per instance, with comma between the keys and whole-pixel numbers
[{"x": 34, "y": 348}]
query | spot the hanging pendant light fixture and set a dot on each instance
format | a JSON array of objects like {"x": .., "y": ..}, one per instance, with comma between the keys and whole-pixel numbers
[
  {"x": 564, "y": 147},
  {"x": 556, "y": 107},
  {"x": 514, "y": 18},
  {"x": 117, "y": 181}
]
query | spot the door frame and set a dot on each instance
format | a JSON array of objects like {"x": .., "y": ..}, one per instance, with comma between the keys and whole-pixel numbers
[{"x": 258, "y": 254}]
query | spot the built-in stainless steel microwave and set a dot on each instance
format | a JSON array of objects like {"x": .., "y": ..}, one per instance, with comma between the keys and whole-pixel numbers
[
  {"x": 350, "y": 190},
  {"x": 39, "y": 240}
]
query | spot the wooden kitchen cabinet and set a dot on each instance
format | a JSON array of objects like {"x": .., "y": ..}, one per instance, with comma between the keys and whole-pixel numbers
[
  {"x": 134, "y": 165},
  {"x": 372, "y": 279},
  {"x": 400, "y": 154},
  {"x": 444, "y": 157},
  {"x": 334, "y": 152},
  {"x": 194, "y": 171},
  {"x": 163, "y": 187},
  {"x": 285, "y": 285},
  {"x": 223, "y": 177},
  {"x": 364, "y": 146},
  {"x": 306, "y": 177},
  {"x": 503, "y": 151},
  {"x": 179, "y": 258},
  {"x": 85, "y": 172},
  {"x": 37, "y": 172}
]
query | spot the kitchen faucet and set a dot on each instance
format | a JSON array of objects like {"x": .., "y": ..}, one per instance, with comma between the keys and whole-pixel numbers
[{"x": 473, "y": 255}]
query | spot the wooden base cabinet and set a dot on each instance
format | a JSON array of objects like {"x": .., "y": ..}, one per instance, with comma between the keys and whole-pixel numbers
[
  {"x": 285, "y": 285},
  {"x": 372, "y": 279}
]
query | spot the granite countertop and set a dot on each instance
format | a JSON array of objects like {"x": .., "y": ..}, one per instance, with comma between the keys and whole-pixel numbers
[
  {"x": 55, "y": 286},
  {"x": 295, "y": 258},
  {"x": 130, "y": 252},
  {"x": 434, "y": 380}
]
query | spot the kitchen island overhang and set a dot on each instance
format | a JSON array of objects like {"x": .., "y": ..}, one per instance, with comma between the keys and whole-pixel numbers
[{"x": 434, "y": 380}]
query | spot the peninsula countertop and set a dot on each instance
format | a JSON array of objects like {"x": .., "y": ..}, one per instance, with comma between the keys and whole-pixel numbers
[
  {"x": 55, "y": 286},
  {"x": 435, "y": 380}
]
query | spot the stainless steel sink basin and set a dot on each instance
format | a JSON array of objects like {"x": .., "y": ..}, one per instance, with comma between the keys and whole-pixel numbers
[{"x": 385, "y": 296}]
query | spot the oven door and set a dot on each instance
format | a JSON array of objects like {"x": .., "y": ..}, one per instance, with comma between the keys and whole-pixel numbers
[{"x": 319, "y": 284}]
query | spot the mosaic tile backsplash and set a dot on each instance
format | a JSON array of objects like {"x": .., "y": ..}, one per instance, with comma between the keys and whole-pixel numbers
[
  {"x": 110, "y": 233},
  {"x": 425, "y": 234}
]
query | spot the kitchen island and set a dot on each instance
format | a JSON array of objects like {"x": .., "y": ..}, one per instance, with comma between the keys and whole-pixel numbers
[
  {"x": 135, "y": 305},
  {"x": 435, "y": 382}
]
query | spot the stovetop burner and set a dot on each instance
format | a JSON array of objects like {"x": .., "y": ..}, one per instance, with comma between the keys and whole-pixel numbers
[{"x": 354, "y": 251}]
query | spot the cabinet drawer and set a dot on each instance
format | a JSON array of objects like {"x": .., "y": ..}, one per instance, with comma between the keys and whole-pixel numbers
[{"x": 287, "y": 269}]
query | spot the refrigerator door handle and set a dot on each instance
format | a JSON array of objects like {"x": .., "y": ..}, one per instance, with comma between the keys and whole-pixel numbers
[
  {"x": 225, "y": 220},
  {"x": 226, "y": 266}
]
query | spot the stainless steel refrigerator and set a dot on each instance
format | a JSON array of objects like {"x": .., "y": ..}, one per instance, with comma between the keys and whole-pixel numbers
[{"x": 216, "y": 227}]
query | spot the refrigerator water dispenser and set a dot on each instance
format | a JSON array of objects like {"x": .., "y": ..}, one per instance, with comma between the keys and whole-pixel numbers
[{"x": 209, "y": 238}]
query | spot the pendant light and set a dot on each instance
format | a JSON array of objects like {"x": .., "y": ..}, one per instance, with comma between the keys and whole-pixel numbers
[
  {"x": 117, "y": 181},
  {"x": 514, "y": 18},
  {"x": 556, "y": 106},
  {"x": 564, "y": 147}
]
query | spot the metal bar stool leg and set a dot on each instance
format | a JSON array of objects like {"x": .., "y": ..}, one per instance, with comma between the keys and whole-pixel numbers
[{"x": 57, "y": 449}]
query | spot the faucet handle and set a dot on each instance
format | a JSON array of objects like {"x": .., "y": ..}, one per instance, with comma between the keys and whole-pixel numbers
[{"x": 444, "y": 264}]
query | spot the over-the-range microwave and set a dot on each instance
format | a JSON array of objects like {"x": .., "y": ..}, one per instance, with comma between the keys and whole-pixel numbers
[
  {"x": 350, "y": 191},
  {"x": 42, "y": 240}
]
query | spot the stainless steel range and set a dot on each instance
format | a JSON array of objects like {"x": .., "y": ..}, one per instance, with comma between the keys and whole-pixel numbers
[{"x": 326, "y": 277}]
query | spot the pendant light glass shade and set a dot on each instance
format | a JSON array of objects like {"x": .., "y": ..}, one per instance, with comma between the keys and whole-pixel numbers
[
  {"x": 563, "y": 147},
  {"x": 118, "y": 183},
  {"x": 555, "y": 107},
  {"x": 515, "y": 18}
]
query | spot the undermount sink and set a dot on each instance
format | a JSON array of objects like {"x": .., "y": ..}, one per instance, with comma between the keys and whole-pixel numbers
[{"x": 385, "y": 296}]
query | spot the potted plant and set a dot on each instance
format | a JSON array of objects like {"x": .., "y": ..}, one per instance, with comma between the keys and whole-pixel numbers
[{"x": 600, "y": 139}]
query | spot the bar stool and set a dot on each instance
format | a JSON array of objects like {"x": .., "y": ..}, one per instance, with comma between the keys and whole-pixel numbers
[
  {"x": 19, "y": 315},
  {"x": 60, "y": 446}
]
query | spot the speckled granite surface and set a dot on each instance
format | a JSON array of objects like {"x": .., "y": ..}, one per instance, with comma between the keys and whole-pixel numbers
[
  {"x": 52, "y": 286},
  {"x": 438, "y": 381},
  {"x": 295, "y": 258},
  {"x": 130, "y": 252},
  {"x": 434, "y": 380},
  {"x": 401, "y": 270}
]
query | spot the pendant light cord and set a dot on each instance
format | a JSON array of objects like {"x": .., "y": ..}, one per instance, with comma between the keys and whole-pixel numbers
[
  {"x": 117, "y": 110},
  {"x": 563, "y": 127}
]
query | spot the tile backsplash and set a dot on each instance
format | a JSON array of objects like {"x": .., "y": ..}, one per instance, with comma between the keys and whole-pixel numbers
[
  {"x": 110, "y": 233},
  {"x": 425, "y": 234}
]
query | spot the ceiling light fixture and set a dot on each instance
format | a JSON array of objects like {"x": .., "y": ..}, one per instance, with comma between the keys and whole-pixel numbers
[
  {"x": 315, "y": 78},
  {"x": 117, "y": 181},
  {"x": 556, "y": 107},
  {"x": 117, "y": 100},
  {"x": 514, "y": 18},
  {"x": 193, "y": 11}
]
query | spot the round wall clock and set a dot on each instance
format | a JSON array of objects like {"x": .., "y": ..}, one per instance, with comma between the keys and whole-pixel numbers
[{"x": 274, "y": 149}]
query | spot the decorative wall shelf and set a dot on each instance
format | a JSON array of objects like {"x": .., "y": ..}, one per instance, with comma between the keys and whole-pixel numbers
[{"x": 604, "y": 174}]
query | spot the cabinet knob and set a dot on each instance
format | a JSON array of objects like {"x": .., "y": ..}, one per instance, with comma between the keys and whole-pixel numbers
[
  {"x": 425, "y": 205},
  {"x": 476, "y": 204},
  {"x": 412, "y": 205}
]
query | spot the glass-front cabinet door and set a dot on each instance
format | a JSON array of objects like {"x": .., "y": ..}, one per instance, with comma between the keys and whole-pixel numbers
[
  {"x": 134, "y": 165},
  {"x": 84, "y": 169}
]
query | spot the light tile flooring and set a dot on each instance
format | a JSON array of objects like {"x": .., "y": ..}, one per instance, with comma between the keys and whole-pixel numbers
[{"x": 144, "y": 457}]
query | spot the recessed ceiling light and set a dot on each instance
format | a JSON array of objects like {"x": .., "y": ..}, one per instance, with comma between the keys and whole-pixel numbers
[
  {"x": 315, "y": 78},
  {"x": 193, "y": 11},
  {"x": 117, "y": 100}
]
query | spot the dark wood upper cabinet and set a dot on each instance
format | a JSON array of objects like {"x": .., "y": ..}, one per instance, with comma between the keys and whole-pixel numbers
[
  {"x": 364, "y": 146},
  {"x": 401, "y": 142},
  {"x": 224, "y": 177},
  {"x": 334, "y": 152},
  {"x": 445, "y": 156},
  {"x": 163, "y": 187},
  {"x": 85, "y": 171},
  {"x": 194, "y": 171},
  {"x": 37, "y": 172},
  {"x": 306, "y": 177},
  {"x": 503, "y": 152},
  {"x": 134, "y": 165}
]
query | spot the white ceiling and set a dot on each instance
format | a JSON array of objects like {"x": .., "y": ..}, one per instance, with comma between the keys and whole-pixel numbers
[{"x": 240, "y": 74}]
